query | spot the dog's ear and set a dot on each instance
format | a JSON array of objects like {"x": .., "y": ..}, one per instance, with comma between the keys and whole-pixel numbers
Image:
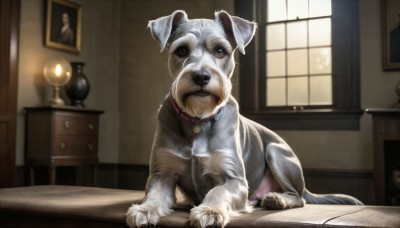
[
  {"x": 162, "y": 28},
  {"x": 241, "y": 30}
]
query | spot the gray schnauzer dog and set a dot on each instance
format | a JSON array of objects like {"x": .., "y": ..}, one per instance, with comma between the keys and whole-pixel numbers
[{"x": 223, "y": 163}]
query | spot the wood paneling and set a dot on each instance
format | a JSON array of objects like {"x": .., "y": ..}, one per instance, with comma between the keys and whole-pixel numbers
[
  {"x": 9, "y": 27},
  {"x": 357, "y": 183}
]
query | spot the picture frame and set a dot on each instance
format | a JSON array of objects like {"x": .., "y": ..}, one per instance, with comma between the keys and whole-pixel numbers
[
  {"x": 63, "y": 25},
  {"x": 390, "y": 34}
]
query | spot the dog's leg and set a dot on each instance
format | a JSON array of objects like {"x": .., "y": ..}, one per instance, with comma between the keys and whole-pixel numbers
[
  {"x": 160, "y": 197},
  {"x": 221, "y": 203},
  {"x": 286, "y": 169}
]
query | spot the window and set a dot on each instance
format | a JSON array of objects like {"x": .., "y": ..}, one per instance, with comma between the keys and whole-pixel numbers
[
  {"x": 302, "y": 69},
  {"x": 298, "y": 49}
]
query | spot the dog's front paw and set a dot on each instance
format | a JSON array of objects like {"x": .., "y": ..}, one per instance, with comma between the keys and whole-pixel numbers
[
  {"x": 144, "y": 215},
  {"x": 273, "y": 201},
  {"x": 204, "y": 216}
]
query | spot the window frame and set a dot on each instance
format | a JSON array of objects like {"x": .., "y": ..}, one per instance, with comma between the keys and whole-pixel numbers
[{"x": 345, "y": 112}]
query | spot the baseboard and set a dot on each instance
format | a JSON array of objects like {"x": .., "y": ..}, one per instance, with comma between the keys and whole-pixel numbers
[
  {"x": 123, "y": 176},
  {"x": 359, "y": 183},
  {"x": 332, "y": 173}
]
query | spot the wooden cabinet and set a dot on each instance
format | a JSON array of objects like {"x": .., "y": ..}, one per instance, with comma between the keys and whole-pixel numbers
[
  {"x": 61, "y": 136},
  {"x": 386, "y": 136}
]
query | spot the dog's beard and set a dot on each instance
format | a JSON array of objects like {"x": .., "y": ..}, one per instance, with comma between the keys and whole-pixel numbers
[
  {"x": 201, "y": 106},
  {"x": 201, "y": 102}
]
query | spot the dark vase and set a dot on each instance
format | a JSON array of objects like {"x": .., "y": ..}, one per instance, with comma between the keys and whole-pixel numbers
[{"x": 77, "y": 89}]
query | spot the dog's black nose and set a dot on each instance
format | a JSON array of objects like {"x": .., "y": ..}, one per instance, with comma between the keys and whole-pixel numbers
[{"x": 201, "y": 78}]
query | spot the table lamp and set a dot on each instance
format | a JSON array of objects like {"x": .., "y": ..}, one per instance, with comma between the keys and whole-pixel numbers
[{"x": 57, "y": 72}]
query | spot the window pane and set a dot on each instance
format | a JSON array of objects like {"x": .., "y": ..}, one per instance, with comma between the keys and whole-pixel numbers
[
  {"x": 276, "y": 92},
  {"x": 299, "y": 53},
  {"x": 297, "y": 62},
  {"x": 276, "y": 64},
  {"x": 298, "y": 91},
  {"x": 321, "y": 90},
  {"x": 297, "y": 34},
  {"x": 276, "y": 10},
  {"x": 297, "y": 9},
  {"x": 320, "y": 32},
  {"x": 275, "y": 36},
  {"x": 320, "y": 8},
  {"x": 320, "y": 61}
]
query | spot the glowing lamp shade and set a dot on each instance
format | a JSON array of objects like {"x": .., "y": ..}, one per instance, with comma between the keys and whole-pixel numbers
[{"x": 57, "y": 73}]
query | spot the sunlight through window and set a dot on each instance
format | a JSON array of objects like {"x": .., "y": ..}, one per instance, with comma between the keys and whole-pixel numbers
[{"x": 298, "y": 53}]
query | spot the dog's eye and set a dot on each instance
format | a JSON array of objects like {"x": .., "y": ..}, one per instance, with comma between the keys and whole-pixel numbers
[
  {"x": 182, "y": 52},
  {"x": 219, "y": 52}
]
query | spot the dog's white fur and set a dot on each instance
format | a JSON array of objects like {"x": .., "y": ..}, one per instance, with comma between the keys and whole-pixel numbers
[{"x": 231, "y": 159}]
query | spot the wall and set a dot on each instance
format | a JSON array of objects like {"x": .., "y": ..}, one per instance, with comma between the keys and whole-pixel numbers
[
  {"x": 100, "y": 52},
  {"x": 346, "y": 150},
  {"x": 129, "y": 79},
  {"x": 127, "y": 73},
  {"x": 144, "y": 79},
  {"x": 353, "y": 150}
]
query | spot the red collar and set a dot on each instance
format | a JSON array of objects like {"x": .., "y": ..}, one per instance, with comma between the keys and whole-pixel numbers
[{"x": 192, "y": 119}]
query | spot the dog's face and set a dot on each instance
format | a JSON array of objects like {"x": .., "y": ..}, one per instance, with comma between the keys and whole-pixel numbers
[{"x": 201, "y": 57}]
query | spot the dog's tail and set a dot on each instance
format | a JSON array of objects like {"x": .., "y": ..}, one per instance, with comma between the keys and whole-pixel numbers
[{"x": 312, "y": 198}]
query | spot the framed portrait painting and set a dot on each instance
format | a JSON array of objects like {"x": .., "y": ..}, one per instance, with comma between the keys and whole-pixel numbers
[
  {"x": 391, "y": 34},
  {"x": 63, "y": 25}
]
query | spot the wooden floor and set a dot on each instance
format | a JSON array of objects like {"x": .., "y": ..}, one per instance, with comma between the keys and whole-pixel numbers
[{"x": 71, "y": 206}]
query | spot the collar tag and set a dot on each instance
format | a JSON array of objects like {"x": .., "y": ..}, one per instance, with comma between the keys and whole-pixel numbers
[{"x": 196, "y": 129}]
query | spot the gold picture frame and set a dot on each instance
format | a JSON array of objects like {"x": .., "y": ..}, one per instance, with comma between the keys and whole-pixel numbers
[
  {"x": 391, "y": 34},
  {"x": 63, "y": 25}
]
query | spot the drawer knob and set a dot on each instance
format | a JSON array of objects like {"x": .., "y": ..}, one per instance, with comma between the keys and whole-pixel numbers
[
  {"x": 62, "y": 145},
  {"x": 90, "y": 126},
  {"x": 66, "y": 124},
  {"x": 90, "y": 146}
]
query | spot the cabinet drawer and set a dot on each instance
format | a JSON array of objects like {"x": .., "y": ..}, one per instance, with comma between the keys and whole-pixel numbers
[
  {"x": 66, "y": 125},
  {"x": 88, "y": 126},
  {"x": 69, "y": 125},
  {"x": 65, "y": 146},
  {"x": 74, "y": 146},
  {"x": 87, "y": 146}
]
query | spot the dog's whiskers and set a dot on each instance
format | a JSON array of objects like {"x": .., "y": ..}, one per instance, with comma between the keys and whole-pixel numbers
[{"x": 184, "y": 63}]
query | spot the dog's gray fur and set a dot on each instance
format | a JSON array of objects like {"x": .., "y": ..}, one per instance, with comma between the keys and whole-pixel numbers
[{"x": 232, "y": 159}]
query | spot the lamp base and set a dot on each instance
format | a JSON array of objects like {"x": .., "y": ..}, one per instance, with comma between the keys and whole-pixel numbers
[{"x": 56, "y": 100}]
